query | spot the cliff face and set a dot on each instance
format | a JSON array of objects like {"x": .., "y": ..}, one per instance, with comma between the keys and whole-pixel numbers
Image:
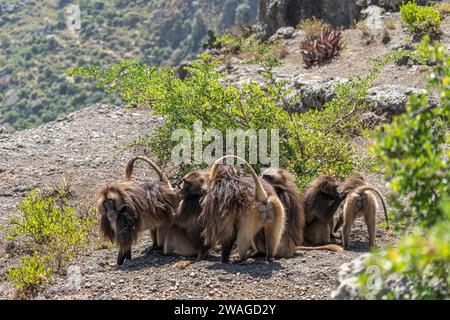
[{"x": 274, "y": 14}]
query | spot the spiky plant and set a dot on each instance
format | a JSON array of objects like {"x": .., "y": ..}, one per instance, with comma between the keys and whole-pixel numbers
[{"x": 324, "y": 47}]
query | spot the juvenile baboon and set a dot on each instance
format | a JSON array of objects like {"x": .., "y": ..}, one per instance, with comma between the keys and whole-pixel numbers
[
  {"x": 358, "y": 202},
  {"x": 237, "y": 208},
  {"x": 287, "y": 192},
  {"x": 321, "y": 200},
  {"x": 126, "y": 209},
  {"x": 184, "y": 237}
]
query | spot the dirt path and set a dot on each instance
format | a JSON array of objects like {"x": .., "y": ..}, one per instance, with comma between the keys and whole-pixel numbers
[{"x": 87, "y": 149}]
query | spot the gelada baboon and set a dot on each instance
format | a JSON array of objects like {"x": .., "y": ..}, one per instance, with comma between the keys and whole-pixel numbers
[
  {"x": 358, "y": 203},
  {"x": 184, "y": 237},
  {"x": 127, "y": 208},
  {"x": 237, "y": 208},
  {"x": 287, "y": 192},
  {"x": 321, "y": 200}
]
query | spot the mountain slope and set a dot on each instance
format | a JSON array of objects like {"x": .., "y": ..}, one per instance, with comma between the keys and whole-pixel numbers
[{"x": 37, "y": 47}]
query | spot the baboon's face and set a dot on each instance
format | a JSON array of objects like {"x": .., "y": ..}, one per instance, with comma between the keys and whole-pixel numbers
[
  {"x": 193, "y": 184},
  {"x": 330, "y": 187},
  {"x": 112, "y": 204}
]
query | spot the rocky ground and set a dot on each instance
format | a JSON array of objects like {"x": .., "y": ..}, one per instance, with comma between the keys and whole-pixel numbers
[{"x": 89, "y": 148}]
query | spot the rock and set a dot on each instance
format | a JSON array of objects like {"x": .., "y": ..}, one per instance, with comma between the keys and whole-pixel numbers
[
  {"x": 10, "y": 98},
  {"x": 390, "y": 99},
  {"x": 3, "y": 130},
  {"x": 286, "y": 32},
  {"x": 35, "y": 105},
  {"x": 274, "y": 14},
  {"x": 347, "y": 282},
  {"x": 385, "y": 99},
  {"x": 373, "y": 17},
  {"x": 315, "y": 93}
]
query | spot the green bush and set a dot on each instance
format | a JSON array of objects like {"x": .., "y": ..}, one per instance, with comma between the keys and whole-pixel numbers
[
  {"x": 421, "y": 20},
  {"x": 411, "y": 149},
  {"x": 312, "y": 143},
  {"x": 416, "y": 268},
  {"x": 414, "y": 153},
  {"x": 49, "y": 225},
  {"x": 29, "y": 276}
]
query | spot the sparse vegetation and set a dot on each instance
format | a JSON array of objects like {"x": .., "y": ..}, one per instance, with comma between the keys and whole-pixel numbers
[
  {"x": 362, "y": 26},
  {"x": 53, "y": 231},
  {"x": 420, "y": 20},
  {"x": 312, "y": 27},
  {"x": 30, "y": 276},
  {"x": 443, "y": 8},
  {"x": 281, "y": 52},
  {"x": 413, "y": 152}
]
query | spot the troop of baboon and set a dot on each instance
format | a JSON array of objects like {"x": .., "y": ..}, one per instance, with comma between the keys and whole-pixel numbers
[{"x": 222, "y": 206}]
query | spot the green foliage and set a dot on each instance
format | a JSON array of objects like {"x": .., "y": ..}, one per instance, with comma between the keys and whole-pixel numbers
[
  {"x": 419, "y": 264},
  {"x": 421, "y": 20},
  {"x": 312, "y": 143},
  {"x": 29, "y": 276},
  {"x": 411, "y": 149},
  {"x": 49, "y": 225},
  {"x": 414, "y": 153}
]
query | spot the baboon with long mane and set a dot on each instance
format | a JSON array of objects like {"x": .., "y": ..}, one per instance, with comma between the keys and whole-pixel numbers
[
  {"x": 185, "y": 235},
  {"x": 236, "y": 208},
  {"x": 293, "y": 236},
  {"x": 126, "y": 209},
  {"x": 320, "y": 201}
]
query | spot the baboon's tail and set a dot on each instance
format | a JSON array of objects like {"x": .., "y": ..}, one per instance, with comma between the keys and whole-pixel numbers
[
  {"x": 130, "y": 166},
  {"x": 362, "y": 189},
  {"x": 330, "y": 247}
]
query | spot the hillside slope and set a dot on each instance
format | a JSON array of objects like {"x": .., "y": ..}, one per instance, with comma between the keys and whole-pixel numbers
[{"x": 37, "y": 46}]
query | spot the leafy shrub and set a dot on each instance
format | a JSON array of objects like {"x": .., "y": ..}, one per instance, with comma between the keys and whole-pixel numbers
[
  {"x": 414, "y": 153},
  {"x": 416, "y": 268},
  {"x": 421, "y": 20},
  {"x": 29, "y": 276},
  {"x": 212, "y": 42},
  {"x": 325, "y": 47},
  {"x": 49, "y": 225},
  {"x": 311, "y": 143},
  {"x": 312, "y": 27},
  {"x": 411, "y": 149}
]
